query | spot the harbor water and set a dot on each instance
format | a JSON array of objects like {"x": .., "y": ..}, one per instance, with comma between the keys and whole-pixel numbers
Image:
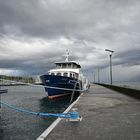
[{"x": 20, "y": 126}]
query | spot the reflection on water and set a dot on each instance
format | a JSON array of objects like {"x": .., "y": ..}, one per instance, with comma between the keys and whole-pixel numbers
[
  {"x": 19, "y": 126},
  {"x": 53, "y": 106}
]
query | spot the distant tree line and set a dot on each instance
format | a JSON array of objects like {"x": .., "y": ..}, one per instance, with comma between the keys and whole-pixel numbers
[{"x": 18, "y": 79}]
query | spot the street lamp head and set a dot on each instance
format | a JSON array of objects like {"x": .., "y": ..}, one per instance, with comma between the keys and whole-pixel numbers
[{"x": 109, "y": 50}]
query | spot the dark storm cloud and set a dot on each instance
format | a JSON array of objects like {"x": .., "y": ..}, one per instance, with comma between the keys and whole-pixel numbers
[
  {"x": 93, "y": 20},
  {"x": 131, "y": 57},
  {"x": 35, "y": 33},
  {"x": 36, "y": 18}
]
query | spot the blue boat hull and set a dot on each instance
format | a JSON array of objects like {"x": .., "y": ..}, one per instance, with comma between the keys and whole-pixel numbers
[{"x": 57, "y": 82}]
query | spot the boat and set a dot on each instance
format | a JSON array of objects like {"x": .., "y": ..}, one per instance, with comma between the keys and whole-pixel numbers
[{"x": 65, "y": 79}]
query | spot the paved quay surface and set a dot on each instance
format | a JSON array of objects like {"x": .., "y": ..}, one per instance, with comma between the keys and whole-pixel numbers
[{"x": 107, "y": 115}]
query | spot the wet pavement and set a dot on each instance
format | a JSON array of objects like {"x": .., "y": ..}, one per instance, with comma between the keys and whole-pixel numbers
[{"x": 107, "y": 115}]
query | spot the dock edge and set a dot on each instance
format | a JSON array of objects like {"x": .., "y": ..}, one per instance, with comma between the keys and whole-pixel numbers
[{"x": 55, "y": 123}]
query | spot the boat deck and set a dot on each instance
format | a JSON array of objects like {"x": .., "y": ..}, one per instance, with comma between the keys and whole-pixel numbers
[{"x": 107, "y": 115}]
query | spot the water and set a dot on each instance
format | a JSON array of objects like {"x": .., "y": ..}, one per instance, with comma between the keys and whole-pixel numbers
[
  {"x": 133, "y": 85},
  {"x": 19, "y": 126}
]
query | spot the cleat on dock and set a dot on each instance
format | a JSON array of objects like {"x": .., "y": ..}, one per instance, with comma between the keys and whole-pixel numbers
[{"x": 74, "y": 116}]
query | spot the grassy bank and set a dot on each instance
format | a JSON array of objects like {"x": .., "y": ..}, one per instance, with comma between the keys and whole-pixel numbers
[{"x": 128, "y": 91}]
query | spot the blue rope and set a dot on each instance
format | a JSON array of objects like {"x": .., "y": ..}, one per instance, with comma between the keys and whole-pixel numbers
[{"x": 73, "y": 115}]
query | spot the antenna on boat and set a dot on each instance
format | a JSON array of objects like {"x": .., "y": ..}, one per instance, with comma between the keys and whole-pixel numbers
[{"x": 67, "y": 56}]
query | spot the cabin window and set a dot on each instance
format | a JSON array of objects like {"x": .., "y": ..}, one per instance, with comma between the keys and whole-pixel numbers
[
  {"x": 52, "y": 74},
  {"x": 65, "y": 74},
  {"x": 69, "y": 65},
  {"x": 70, "y": 74},
  {"x": 58, "y": 65},
  {"x": 64, "y": 65},
  {"x": 73, "y": 75},
  {"x": 76, "y": 75},
  {"x": 59, "y": 74}
]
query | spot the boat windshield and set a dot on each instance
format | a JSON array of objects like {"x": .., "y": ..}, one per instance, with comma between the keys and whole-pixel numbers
[
  {"x": 67, "y": 65},
  {"x": 66, "y": 74}
]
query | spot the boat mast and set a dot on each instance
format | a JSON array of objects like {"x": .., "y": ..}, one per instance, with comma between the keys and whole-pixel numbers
[{"x": 67, "y": 56}]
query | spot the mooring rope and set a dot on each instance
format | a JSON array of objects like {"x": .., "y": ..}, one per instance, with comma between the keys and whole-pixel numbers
[
  {"x": 72, "y": 95},
  {"x": 43, "y": 86},
  {"x": 70, "y": 115},
  {"x": 73, "y": 115}
]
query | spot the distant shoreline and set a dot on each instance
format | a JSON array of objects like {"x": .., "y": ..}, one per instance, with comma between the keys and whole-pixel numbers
[
  {"x": 13, "y": 85},
  {"x": 20, "y": 84}
]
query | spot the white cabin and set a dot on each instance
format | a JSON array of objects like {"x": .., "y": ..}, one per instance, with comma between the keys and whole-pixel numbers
[{"x": 68, "y": 69}]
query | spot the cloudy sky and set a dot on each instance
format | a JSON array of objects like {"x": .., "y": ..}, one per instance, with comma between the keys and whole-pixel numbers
[{"x": 36, "y": 33}]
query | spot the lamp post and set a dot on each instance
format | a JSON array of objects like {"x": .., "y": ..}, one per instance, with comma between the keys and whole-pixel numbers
[
  {"x": 110, "y": 56},
  {"x": 98, "y": 76}
]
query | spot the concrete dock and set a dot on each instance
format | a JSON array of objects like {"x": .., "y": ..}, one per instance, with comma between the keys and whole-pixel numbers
[{"x": 107, "y": 115}]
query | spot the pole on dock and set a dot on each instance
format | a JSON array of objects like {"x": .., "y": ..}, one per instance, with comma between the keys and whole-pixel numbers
[
  {"x": 98, "y": 75},
  {"x": 94, "y": 78},
  {"x": 0, "y": 96},
  {"x": 110, "y": 69},
  {"x": 110, "y": 56},
  {"x": 0, "y": 101}
]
